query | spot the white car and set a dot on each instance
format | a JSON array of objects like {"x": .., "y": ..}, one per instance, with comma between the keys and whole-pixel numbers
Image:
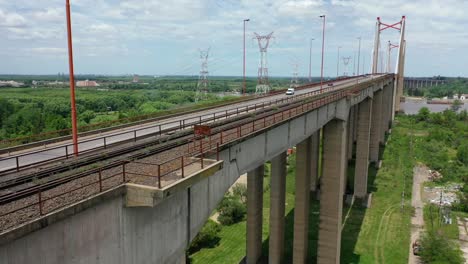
[{"x": 290, "y": 91}]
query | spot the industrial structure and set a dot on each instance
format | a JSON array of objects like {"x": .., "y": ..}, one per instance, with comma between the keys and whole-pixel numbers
[
  {"x": 263, "y": 85},
  {"x": 202, "y": 86}
]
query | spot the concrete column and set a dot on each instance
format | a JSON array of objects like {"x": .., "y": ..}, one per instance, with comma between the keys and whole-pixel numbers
[
  {"x": 314, "y": 161},
  {"x": 375, "y": 126},
  {"x": 355, "y": 122},
  {"x": 301, "y": 209},
  {"x": 331, "y": 195},
  {"x": 386, "y": 100},
  {"x": 362, "y": 148},
  {"x": 351, "y": 121},
  {"x": 254, "y": 214},
  {"x": 277, "y": 208}
]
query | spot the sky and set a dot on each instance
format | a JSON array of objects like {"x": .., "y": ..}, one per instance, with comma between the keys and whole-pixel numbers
[{"x": 156, "y": 37}]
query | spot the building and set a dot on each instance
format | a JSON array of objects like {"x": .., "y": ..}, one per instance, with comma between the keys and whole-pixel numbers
[
  {"x": 464, "y": 97},
  {"x": 87, "y": 83}
]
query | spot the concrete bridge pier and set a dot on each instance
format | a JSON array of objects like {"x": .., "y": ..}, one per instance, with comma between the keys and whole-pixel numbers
[
  {"x": 362, "y": 148},
  {"x": 277, "y": 208},
  {"x": 301, "y": 209},
  {"x": 386, "y": 112},
  {"x": 375, "y": 127},
  {"x": 350, "y": 141},
  {"x": 254, "y": 214},
  {"x": 314, "y": 162},
  {"x": 331, "y": 195}
]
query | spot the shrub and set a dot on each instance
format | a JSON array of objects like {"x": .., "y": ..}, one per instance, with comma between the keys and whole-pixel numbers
[
  {"x": 240, "y": 190},
  {"x": 206, "y": 238},
  {"x": 462, "y": 153},
  {"x": 437, "y": 248},
  {"x": 231, "y": 210}
]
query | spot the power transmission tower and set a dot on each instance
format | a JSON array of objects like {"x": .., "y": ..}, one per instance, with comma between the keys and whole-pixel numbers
[
  {"x": 346, "y": 61},
  {"x": 263, "y": 86},
  {"x": 202, "y": 86},
  {"x": 295, "y": 80}
]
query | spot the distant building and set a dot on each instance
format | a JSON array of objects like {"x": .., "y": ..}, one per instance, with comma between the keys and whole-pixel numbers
[
  {"x": 464, "y": 97},
  {"x": 87, "y": 83},
  {"x": 136, "y": 78},
  {"x": 11, "y": 84}
]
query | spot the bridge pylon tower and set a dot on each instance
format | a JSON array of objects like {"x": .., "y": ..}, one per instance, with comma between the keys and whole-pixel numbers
[
  {"x": 400, "y": 65},
  {"x": 389, "y": 55},
  {"x": 202, "y": 86},
  {"x": 263, "y": 86}
]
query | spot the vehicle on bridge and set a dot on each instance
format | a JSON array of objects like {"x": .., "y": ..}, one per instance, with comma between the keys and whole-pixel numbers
[
  {"x": 330, "y": 84},
  {"x": 290, "y": 91}
]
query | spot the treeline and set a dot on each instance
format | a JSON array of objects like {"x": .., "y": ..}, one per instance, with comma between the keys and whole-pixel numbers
[{"x": 26, "y": 111}]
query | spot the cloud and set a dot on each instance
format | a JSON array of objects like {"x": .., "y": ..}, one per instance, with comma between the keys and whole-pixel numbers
[{"x": 11, "y": 19}]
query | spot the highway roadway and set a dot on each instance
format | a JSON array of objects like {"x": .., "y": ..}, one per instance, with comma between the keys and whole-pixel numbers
[{"x": 59, "y": 150}]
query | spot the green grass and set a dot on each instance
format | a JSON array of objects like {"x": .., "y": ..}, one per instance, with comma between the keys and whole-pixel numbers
[{"x": 381, "y": 234}]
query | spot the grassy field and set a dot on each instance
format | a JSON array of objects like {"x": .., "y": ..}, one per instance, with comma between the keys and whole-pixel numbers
[{"x": 380, "y": 234}]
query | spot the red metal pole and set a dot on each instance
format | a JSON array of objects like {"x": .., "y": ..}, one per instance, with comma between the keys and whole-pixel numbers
[
  {"x": 72, "y": 81},
  {"x": 323, "y": 49}
]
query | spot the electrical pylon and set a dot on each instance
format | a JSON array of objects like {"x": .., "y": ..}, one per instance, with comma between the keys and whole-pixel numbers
[
  {"x": 295, "y": 79},
  {"x": 263, "y": 86},
  {"x": 202, "y": 86},
  {"x": 346, "y": 63}
]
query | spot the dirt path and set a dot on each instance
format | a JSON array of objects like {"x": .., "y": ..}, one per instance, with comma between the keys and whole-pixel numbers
[
  {"x": 420, "y": 175},
  {"x": 463, "y": 236}
]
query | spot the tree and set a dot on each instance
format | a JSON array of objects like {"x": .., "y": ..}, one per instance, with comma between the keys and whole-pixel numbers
[
  {"x": 456, "y": 105},
  {"x": 231, "y": 210},
  {"x": 423, "y": 114},
  {"x": 437, "y": 248},
  {"x": 462, "y": 153}
]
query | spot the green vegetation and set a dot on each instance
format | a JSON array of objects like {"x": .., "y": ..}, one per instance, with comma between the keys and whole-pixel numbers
[
  {"x": 455, "y": 86},
  {"x": 208, "y": 237},
  {"x": 439, "y": 242},
  {"x": 231, "y": 210},
  {"x": 381, "y": 233}
]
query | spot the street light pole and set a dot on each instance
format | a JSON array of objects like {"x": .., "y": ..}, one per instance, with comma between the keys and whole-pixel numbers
[
  {"x": 310, "y": 61},
  {"x": 72, "y": 80},
  {"x": 323, "y": 49},
  {"x": 243, "y": 84},
  {"x": 359, "y": 55},
  {"x": 338, "y": 63}
]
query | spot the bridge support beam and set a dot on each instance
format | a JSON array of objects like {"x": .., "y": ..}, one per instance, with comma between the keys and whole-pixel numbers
[
  {"x": 254, "y": 214},
  {"x": 350, "y": 141},
  {"x": 277, "y": 208},
  {"x": 331, "y": 196},
  {"x": 314, "y": 162},
  {"x": 301, "y": 209},
  {"x": 386, "y": 112},
  {"x": 375, "y": 127},
  {"x": 362, "y": 148}
]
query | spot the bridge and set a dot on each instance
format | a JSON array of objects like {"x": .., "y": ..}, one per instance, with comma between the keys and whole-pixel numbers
[
  {"x": 140, "y": 193},
  {"x": 414, "y": 83},
  {"x": 136, "y": 210}
]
